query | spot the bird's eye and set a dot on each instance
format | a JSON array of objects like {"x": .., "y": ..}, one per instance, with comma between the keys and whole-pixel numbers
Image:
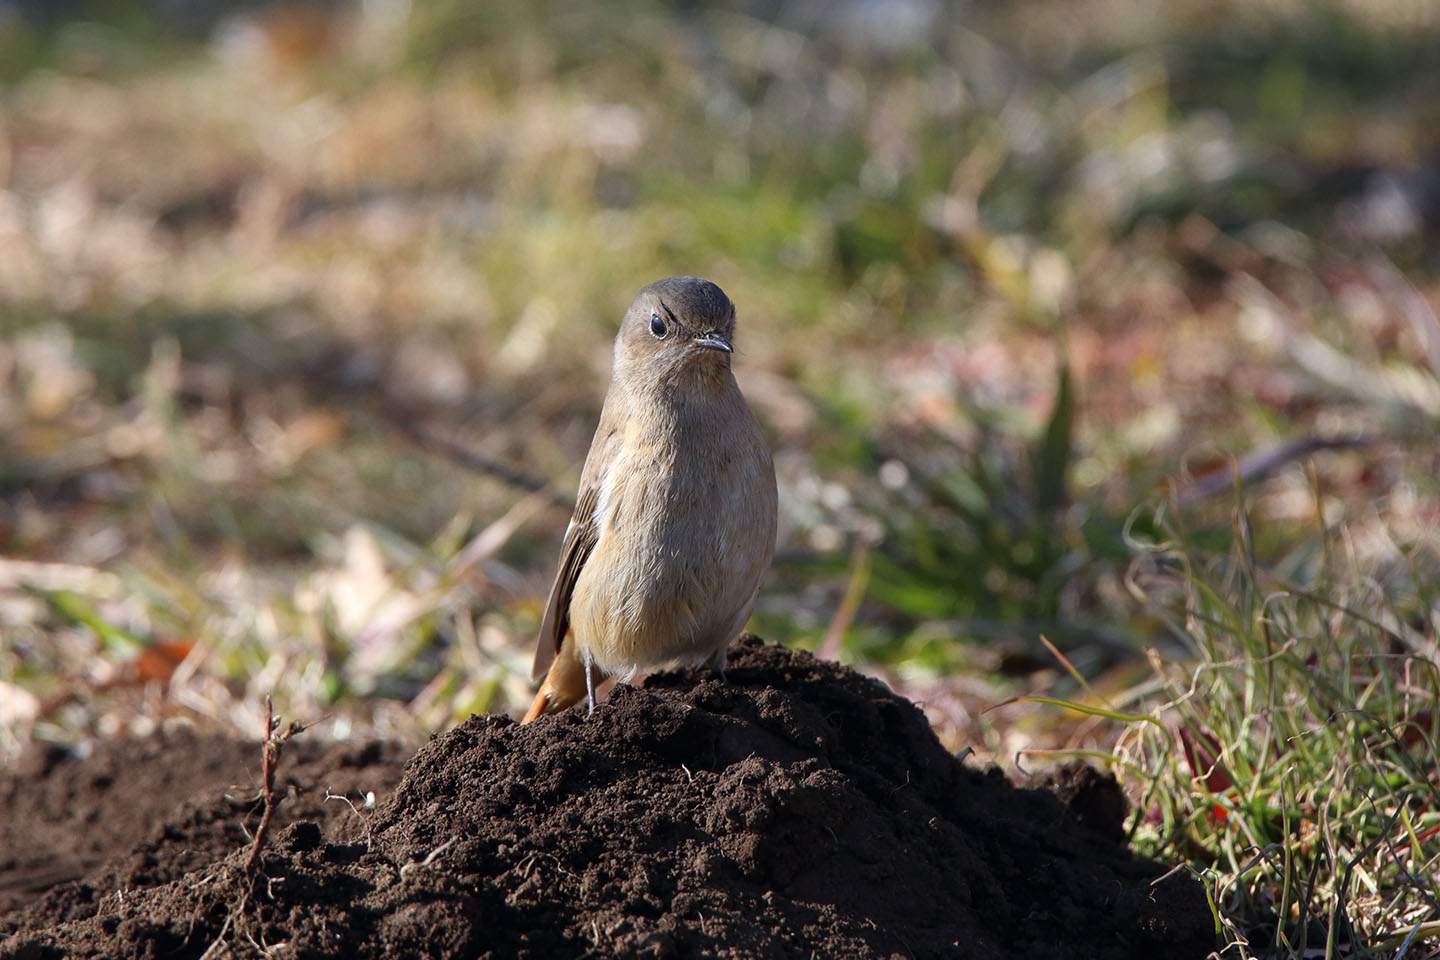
[{"x": 657, "y": 326}]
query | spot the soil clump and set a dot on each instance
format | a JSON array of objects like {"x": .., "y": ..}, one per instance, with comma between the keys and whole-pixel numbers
[{"x": 794, "y": 809}]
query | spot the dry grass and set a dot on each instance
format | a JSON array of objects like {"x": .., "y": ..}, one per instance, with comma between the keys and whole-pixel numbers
[{"x": 1006, "y": 281}]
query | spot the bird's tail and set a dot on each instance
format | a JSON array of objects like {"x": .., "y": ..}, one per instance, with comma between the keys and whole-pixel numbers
[{"x": 564, "y": 683}]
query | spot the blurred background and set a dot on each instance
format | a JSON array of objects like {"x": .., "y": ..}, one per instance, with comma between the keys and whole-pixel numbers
[
  {"x": 306, "y": 310},
  {"x": 1096, "y": 341}
]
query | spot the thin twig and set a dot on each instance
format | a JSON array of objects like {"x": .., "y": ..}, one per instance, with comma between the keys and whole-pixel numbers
[
  {"x": 369, "y": 803},
  {"x": 426, "y": 436},
  {"x": 1260, "y": 464},
  {"x": 219, "y": 942},
  {"x": 849, "y": 603},
  {"x": 274, "y": 738},
  {"x": 430, "y": 858}
]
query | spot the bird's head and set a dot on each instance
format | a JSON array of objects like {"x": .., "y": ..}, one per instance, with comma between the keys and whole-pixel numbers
[{"x": 677, "y": 329}]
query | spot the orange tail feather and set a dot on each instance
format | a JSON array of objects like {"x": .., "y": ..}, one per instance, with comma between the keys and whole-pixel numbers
[{"x": 564, "y": 684}]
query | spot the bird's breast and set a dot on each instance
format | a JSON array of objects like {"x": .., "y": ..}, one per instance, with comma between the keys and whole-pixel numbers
[{"x": 686, "y": 513}]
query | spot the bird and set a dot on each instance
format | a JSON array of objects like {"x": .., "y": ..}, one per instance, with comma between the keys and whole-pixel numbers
[{"x": 674, "y": 523}]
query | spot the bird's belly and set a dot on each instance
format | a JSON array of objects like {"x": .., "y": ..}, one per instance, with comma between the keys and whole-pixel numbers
[
  {"x": 639, "y": 611},
  {"x": 671, "y": 580}
]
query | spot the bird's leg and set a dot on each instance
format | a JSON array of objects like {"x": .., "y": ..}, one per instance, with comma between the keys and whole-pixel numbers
[
  {"x": 589, "y": 685},
  {"x": 716, "y": 662}
]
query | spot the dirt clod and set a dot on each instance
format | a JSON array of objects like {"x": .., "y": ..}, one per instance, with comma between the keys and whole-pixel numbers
[{"x": 795, "y": 809}]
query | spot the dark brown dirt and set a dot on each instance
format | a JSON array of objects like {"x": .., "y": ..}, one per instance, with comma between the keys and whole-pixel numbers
[
  {"x": 136, "y": 814},
  {"x": 798, "y": 809}
]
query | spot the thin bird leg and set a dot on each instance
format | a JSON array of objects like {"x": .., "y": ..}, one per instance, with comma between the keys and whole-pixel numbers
[
  {"x": 589, "y": 684},
  {"x": 716, "y": 662}
]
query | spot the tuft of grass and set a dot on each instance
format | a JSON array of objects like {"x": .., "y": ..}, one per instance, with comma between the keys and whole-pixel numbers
[{"x": 1291, "y": 759}]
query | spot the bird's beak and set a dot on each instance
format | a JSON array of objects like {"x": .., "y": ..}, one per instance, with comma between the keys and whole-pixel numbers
[{"x": 715, "y": 341}]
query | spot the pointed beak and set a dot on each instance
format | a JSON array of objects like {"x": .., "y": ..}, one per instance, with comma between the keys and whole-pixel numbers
[{"x": 714, "y": 341}]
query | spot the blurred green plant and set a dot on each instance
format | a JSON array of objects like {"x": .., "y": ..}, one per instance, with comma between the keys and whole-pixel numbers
[
  {"x": 994, "y": 543},
  {"x": 984, "y": 540}
]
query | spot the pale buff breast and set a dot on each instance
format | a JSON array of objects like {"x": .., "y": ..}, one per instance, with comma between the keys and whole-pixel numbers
[{"x": 687, "y": 530}]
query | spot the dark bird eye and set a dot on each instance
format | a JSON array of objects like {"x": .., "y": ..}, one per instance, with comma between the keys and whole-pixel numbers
[{"x": 657, "y": 326}]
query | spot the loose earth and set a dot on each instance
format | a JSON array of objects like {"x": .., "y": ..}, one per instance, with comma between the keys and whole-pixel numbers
[{"x": 795, "y": 809}]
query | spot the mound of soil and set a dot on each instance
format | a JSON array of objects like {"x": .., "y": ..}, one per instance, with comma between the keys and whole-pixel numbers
[{"x": 796, "y": 809}]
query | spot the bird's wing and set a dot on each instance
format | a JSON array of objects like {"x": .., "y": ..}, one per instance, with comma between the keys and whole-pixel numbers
[
  {"x": 580, "y": 539},
  {"x": 580, "y": 536}
]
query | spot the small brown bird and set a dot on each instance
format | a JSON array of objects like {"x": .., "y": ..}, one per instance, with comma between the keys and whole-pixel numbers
[{"x": 675, "y": 521}]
